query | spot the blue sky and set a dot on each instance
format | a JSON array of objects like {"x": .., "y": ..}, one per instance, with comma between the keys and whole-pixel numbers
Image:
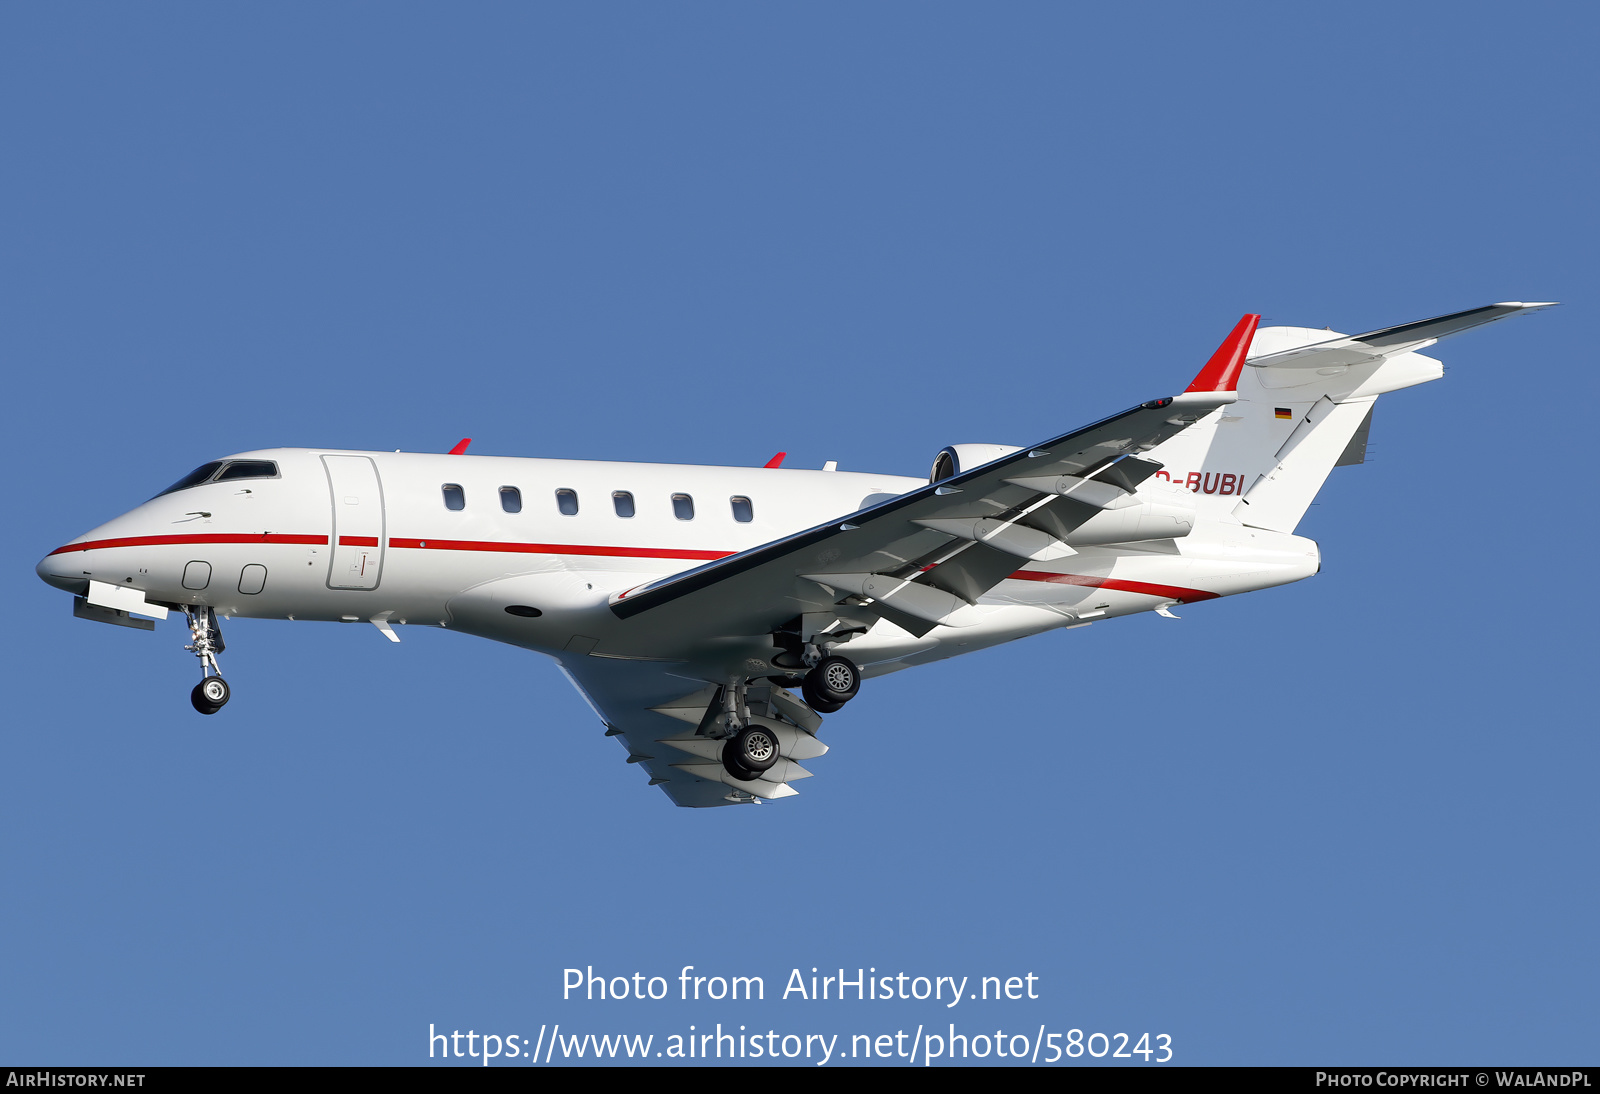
[{"x": 1348, "y": 821}]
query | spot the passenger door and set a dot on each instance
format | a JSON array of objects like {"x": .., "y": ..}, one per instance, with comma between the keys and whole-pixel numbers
[{"x": 358, "y": 526}]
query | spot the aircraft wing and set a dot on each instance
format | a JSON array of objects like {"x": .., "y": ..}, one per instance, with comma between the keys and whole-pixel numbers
[{"x": 922, "y": 559}]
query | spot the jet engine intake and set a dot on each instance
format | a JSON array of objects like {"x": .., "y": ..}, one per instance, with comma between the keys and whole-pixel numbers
[{"x": 957, "y": 458}]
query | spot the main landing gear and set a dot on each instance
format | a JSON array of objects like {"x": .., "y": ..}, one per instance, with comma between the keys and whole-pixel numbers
[
  {"x": 211, "y": 693},
  {"x": 751, "y": 748},
  {"x": 832, "y": 682},
  {"x": 750, "y": 752}
]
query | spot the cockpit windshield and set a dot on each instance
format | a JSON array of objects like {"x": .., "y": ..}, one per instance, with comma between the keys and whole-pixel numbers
[
  {"x": 224, "y": 471},
  {"x": 248, "y": 469}
]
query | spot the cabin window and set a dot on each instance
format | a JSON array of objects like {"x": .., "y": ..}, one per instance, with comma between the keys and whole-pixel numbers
[
  {"x": 683, "y": 506},
  {"x": 511, "y": 499},
  {"x": 567, "y": 502},
  {"x": 622, "y": 502},
  {"x": 454, "y": 498},
  {"x": 742, "y": 512}
]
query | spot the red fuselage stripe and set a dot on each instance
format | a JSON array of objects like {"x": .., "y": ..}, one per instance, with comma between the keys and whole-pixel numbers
[
  {"x": 1166, "y": 592},
  {"x": 556, "y": 549},
  {"x": 158, "y": 541}
]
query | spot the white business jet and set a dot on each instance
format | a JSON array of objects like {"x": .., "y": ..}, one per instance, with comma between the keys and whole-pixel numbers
[{"x": 686, "y": 602}]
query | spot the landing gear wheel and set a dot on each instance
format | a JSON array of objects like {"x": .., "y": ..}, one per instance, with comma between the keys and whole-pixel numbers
[
  {"x": 754, "y": 748},
  {"x": 831, "y": 683},
  {"x": 210, "y": 695},
  {"x": 838, "y": 678},
  {"x": 731, "y": 765},
  {"x": 815, "y": 701}
]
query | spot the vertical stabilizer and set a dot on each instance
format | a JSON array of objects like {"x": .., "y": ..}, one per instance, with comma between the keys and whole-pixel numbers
[
  {"x": 1280, "y": 496},
  {"x": 1302, "y": 406}
]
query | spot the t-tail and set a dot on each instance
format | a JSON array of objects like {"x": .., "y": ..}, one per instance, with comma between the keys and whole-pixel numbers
[{"x": 1304, "y": 407}]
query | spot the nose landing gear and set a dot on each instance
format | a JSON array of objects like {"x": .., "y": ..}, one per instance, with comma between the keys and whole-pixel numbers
[{"x": 211, "y": 693}]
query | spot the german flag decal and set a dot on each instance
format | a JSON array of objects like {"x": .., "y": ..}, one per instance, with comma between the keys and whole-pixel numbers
[{"x": 1282, "y": 412}]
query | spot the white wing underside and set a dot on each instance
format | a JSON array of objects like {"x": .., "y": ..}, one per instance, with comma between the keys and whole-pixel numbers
[{"x": 655, "y": 713}]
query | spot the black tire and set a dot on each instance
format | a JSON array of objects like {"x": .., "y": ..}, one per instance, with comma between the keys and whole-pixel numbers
[
  {"x": 731, "y": 765},
  {"x": 817, "y": 702},
  {"x": 755, "y": 748},
  {"x": 198, "y": 700},
  {"x": 834, "y": 679},
  {"x": 215, "y": 691}
]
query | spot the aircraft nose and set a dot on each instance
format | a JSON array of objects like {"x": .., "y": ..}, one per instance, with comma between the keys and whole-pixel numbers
[{"x": 64, "y": 571}]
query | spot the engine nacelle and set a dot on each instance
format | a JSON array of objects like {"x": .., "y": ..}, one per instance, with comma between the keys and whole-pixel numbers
[{"x": 964, "y": 457}]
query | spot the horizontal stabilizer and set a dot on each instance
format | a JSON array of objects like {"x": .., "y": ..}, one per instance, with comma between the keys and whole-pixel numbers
[{"x": 1356, "y": 349}]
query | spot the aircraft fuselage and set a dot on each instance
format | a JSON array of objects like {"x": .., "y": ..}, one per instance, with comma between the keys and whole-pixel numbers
[{"x": 374, "y": 537}]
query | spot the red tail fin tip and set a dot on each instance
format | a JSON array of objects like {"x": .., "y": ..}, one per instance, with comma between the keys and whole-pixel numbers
[
  {"x": 461, "y": 447},
  {"x": 776, "y": 461},
  {"x": 1221, "y": 373}
]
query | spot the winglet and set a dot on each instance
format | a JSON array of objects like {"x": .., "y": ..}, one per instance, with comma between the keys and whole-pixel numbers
[
  {"x": 1221, "y": 373},
  {"x": 776, "y": 461},
  {"x": 461, "y": 447}
]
